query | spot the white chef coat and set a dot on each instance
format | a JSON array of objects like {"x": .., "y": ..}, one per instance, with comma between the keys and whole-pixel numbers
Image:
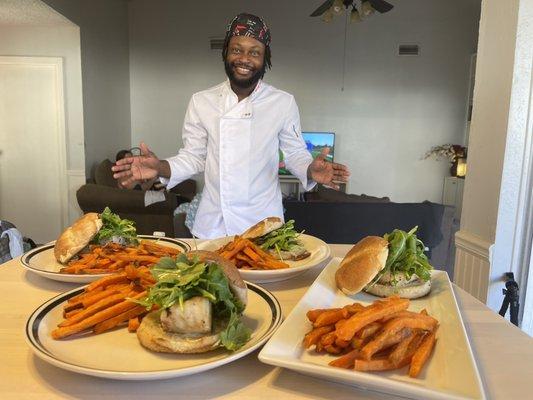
[{"x": 236, "y": 144}]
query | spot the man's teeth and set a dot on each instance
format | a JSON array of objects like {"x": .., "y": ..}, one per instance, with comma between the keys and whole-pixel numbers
[{"x": 242, "y": 70}]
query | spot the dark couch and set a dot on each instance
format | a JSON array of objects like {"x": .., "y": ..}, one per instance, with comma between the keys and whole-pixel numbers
[
  {"x": 341, "y": 218},
  {"x": 94, "y": 197}
]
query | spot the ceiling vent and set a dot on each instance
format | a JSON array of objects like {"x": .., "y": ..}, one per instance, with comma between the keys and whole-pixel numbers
[
  {"x": 408, "y": 50},
  {"x": 216, "y": 43}
]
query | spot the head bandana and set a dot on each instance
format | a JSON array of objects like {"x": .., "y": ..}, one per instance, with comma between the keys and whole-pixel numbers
[{"x": 249, "y": 25}]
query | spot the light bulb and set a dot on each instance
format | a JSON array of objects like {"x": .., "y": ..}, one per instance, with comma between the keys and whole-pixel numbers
[
  {"x": 338, "y": 7},
  {"x": 367, "y": 9},
  {"x": 354, "y": 15},
  {"x": 328, "y": 15}
]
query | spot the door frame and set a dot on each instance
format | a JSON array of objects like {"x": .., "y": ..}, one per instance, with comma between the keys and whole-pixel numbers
[{"x": 57, "y": 64}]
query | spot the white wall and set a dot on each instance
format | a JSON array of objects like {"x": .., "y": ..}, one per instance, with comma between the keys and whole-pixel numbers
[
  {"x": 30, "y": 28},
  {"x": 105, "y": 67},
  {"x": 57, "y": 41},
  {"x": 392, "y": 109}
]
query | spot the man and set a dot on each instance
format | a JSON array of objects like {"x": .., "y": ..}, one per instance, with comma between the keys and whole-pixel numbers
[{"x": 233, "y": 132}]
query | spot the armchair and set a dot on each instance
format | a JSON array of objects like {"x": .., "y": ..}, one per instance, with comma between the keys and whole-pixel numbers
[{"x": 94, "y": 197}]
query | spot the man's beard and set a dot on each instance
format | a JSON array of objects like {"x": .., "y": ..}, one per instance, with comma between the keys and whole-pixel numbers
[{"x": 243, "y": 83}]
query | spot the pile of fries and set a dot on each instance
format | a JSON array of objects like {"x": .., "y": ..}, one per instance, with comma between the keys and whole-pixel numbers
[
  {"x": 114, "y": 257},
  {"x": 247, "y": 255},
  {"x": 378, "y": 337},
  {"x": 107, "y": 303}
]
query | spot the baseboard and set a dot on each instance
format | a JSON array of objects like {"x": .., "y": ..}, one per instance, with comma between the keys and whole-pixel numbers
[{"x": 472, "y": 264}]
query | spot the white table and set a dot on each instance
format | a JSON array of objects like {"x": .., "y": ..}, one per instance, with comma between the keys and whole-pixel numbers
[{"x": 504, "y": 355}]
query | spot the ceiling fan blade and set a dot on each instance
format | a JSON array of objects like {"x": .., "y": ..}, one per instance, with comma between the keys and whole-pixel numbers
[
  {"x": 322, "y": 9},
  {"x": 381, "y": 6}
]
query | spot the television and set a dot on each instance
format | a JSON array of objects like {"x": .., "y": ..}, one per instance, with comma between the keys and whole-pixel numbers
[{"x": 315, "y": 142}]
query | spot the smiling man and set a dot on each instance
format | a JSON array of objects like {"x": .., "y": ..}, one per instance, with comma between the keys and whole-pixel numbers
[{"x": 233, "y": 133}]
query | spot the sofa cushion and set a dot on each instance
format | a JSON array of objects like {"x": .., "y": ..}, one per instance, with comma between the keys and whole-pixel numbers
[
  {"x": 330, "y": 195},
  {"x": 103, "y": 174}
]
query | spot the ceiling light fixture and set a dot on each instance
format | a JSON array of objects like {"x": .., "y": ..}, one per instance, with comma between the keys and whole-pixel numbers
[{"x": 360, "y": 9}]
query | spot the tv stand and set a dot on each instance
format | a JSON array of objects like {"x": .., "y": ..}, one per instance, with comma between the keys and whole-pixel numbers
[{"x": 290, "y": 187}]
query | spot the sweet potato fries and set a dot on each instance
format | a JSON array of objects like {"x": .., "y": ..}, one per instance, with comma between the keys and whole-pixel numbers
[
  {"x": 378, "y": 337},
  {"x": 107, "y": 303},
  {"x": 113, "y": 257},
  {"x": 247, "y": 255}
]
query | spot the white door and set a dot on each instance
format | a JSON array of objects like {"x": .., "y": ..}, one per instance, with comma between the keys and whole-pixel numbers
[{"x": 32, "y": 146}]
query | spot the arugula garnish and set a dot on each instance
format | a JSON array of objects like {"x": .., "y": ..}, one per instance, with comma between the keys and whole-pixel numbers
[
  {"x": 284, "y": 238},
  {"x": 181, "y": 279},
  {"x": 406, "y": 255},
  {"x": 114, "y": 226}
]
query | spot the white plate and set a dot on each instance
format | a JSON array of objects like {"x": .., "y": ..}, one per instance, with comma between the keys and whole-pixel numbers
[
  {"x": 319, "y": 253},
  {"x": 42, "y": 261},
  {"x": 451, "y": 372},
  {"x": 119, "y": 355}
]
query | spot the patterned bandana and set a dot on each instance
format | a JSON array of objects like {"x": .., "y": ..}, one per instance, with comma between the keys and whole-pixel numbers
[{"x": 249, "y": 25}]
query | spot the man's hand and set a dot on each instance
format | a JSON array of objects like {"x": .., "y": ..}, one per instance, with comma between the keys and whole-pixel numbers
[
  {"x": 327, "y": 173},
  {"x": 137, "y": 169}
]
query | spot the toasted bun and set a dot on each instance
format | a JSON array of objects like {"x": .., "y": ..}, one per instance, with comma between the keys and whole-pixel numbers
[
  {"x": 263, "y": 227},
  {"x": 152, "y": 336},
  {"x": 237, "y": 285},
  {"x": 412, "y": 290},
  {"x": 361, "y": 264},
  {"x": 76, "y": 237}
]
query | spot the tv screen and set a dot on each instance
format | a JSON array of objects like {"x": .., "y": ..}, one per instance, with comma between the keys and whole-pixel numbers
[{"x": 315, "y": 142}]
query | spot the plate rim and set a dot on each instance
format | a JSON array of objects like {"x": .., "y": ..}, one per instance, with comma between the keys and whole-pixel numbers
[
  {"x": 410, "y": 388},
  {"x": 26, "y": 257},
  {"x": 32, "y": 340},
  {"x": 252, "y": 274}
]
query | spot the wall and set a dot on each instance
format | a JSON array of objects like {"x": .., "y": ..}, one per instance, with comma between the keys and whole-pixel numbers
[
  {"x": 391, "y": 111},
  {"x": 45, "y": 36},
  {"x": 494, "y": 78},
  {"x": 105, "y": 65}
]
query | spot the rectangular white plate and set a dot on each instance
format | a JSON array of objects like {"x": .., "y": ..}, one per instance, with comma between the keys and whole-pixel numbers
[{"x": 450, "y": 373}]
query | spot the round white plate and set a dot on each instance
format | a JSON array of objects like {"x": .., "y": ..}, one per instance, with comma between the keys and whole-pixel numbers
[
  {"x": 42, "y": 261},
  {"x": 118, "y": 354},
  {"x": 319, "y": 252}
]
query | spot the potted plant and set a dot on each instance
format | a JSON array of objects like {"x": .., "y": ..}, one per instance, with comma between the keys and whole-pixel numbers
[{"x": 455, "y": 153}]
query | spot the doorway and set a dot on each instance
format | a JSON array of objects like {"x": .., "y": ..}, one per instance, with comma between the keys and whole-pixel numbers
[{"x": 33, "y": 184}]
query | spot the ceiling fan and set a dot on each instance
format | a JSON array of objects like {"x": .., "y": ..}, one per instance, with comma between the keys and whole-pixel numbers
[{"x": 367, "y": 6}]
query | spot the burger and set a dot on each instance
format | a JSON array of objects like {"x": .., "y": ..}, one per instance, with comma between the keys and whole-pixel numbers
[
  {"x": 200, "y": 298},
  {"x": 385, "y": 266},
  {"x": 277, "y": 238},
  {"x": 94, "y": 228}
]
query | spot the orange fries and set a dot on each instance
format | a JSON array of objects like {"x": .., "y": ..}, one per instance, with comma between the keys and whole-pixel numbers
[
  {"x": 247, "y": 255},
  {"x": 113, "y": 257},
  {"x": 107, "y": 303},
  {"x": 378, "y": 337}
]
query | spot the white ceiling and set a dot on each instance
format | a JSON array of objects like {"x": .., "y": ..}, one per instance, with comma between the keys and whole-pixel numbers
[{"x": 30, "y": 12}]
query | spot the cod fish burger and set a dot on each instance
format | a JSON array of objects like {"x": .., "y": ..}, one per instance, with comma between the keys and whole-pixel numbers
[
  {"x": 277, "y": 238},
  {"x": 200, "y": 298},
  {"x": 385, "y": 266},
  {"x": 94, "y": 228}
]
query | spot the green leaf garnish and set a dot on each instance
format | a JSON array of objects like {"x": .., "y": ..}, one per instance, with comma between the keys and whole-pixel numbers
[
  {"x": 406, "y": 255},
  {"x": 284, "y": 238},
  {"x": 114, "y": 226}
]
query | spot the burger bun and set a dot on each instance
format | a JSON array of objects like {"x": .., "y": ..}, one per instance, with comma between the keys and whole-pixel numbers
[
  {"x": 262, "y": 228},
  {"x": 362, "y": 263},
  {"x": 413, "y": 290},
  {"x": 76, "y": 237}
]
